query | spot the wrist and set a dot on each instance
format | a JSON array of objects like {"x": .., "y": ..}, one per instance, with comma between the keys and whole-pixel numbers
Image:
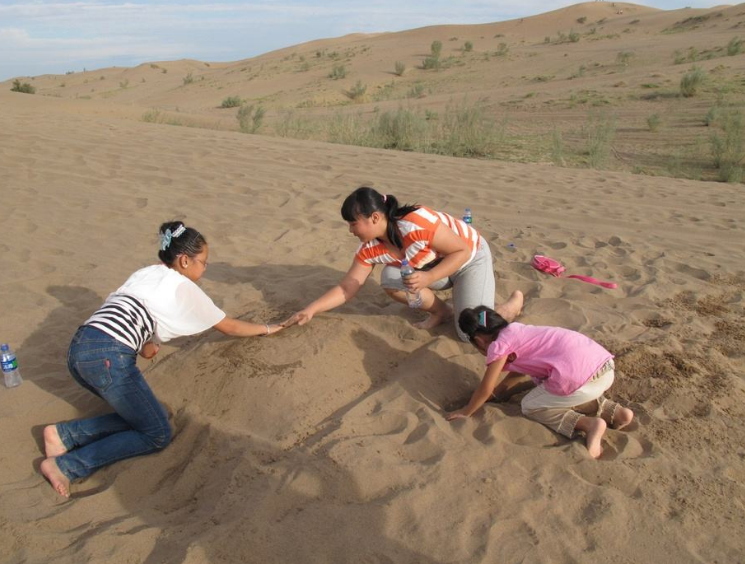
[{"x": 266, "y": 326}]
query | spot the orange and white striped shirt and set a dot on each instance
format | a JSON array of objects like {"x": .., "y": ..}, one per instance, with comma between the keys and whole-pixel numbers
[{"x": 417, "y": 230}]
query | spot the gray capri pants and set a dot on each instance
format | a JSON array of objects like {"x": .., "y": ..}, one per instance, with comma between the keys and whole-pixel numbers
[{"x": 473, "y": 285}]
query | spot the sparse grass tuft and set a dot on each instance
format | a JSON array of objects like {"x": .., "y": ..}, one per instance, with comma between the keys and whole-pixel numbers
[
  {"x": 416, "y": 91},
  {"x": 734, "y": 47},
  {"x": 692, "y": 81},
  {"x": 468, "y": 47},
  {"x": 728, "y": 147},
  {"x": 598, "y": 132},
  {"x": 231, "y": 102},
  {"x": 188, "y": 79},
  {"x": 357, "y": 92},
  {"x": 653, "y": 122},
  {"x": 249, "y": 121},
  {"x": 399, "y": 68},
  {"x": 623, "y": 58},
  {"x": 338, "y": 72}
]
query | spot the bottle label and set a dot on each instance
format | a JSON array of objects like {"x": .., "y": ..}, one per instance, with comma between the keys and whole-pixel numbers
[{"x": 9, "y": 364}]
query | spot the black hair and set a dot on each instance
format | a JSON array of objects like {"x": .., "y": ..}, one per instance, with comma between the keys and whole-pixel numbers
[
  {"x": 472, "y": 322},
  {"x": 189, "y": 242},
  {"x": 364, "y": 201}
]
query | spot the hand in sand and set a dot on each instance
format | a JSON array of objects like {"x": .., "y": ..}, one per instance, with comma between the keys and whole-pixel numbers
[
  {"x": 300, "y": 318},
  {"x": 274, "y": 328},
  {"x": 458, "y": 414}
]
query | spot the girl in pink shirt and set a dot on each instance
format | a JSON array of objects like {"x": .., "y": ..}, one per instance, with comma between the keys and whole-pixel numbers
[{"x": 570, "y": 373}]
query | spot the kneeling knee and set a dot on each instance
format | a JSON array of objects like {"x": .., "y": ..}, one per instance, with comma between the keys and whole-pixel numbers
[{"x": 162, "y": 437}]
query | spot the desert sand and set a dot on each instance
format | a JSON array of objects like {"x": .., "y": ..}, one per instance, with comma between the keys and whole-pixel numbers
[{"x": 327, "y": 443}]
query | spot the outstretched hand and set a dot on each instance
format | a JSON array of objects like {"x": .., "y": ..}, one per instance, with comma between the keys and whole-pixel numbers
[
  {"x": 274, "y": 327},
  {"x": 300, "y": 318}
]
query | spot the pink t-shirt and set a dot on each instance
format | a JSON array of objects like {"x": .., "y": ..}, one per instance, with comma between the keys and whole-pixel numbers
[{"x": 560, "y": 359}]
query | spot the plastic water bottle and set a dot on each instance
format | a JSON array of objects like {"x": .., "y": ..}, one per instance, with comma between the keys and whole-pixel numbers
[
  {"x": 414, "y": 298},
  {"x": 10, "y": 367},
  {"x": 468, "y": 217}
]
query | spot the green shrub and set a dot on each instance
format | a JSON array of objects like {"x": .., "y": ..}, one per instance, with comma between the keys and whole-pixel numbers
[
  {"x": 692, "y": 81},
  {"x": 734, "y": 47},
  {"x": 502, "y": 50},
  {"x": 573, "y": 36},
  {"x": 188, "y": 79},
  {"x": 436, "y": 48},
  {"x": 582, "y": 20},
  {"x": 547, "y": 39},
  {"x": 249, "y": 121},
  {"x": 338, "y": 72},
  {"x": 231, "y": 102},
  {"x": 399, "y": 68},
  {"x": 25, "y": 87},
  {"x": 468, "y": 47},
  {"x": 653, "y": 122}
]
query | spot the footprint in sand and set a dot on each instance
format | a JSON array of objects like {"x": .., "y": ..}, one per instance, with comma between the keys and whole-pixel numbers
[
  {"x": 140, "y": 203},
  {"x": 622, "y": 446}
]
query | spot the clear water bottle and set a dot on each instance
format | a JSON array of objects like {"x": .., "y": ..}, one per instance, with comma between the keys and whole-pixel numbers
[
  {"x": 414, "y": 298},
  {"x": 10, "y": 367},
  {"x": 468, "y": 217}
]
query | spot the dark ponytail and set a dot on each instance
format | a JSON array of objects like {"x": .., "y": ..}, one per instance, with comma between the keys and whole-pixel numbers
[
  {"x": 177, "y": 239},
  {"x": 364, "y": 201},
  {"x": 481, "y": 320}
]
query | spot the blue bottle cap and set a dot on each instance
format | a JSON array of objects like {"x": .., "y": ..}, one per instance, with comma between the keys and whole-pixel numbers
[{"x": 4, "y": 347}]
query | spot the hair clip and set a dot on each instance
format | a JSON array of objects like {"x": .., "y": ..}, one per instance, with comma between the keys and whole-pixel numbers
[
  {"x": 165, "y": 238},
  {"x": 482, "y": 319},
  {"x": 385, "y": 197}
]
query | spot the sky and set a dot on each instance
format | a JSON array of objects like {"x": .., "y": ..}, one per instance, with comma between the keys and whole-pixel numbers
[{"x": 57, "y": 36}]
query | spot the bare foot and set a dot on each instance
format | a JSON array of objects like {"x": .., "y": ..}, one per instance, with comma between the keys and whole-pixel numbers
[
  {"x": 54, "y": 475},
  {"x": 435, "y": 318},
  {"x": 511, "y": 309},
  {"x": 594, "y": 432},
  {"x": 622, "y": 417},
  {"x": 53, "y": 445}
]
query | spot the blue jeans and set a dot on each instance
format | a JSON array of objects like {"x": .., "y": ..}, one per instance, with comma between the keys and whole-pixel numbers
[{"x": 140, "y": 425}]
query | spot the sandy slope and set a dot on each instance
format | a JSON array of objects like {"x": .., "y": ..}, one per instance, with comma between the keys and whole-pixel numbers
[{"x": 327, "y": 443}]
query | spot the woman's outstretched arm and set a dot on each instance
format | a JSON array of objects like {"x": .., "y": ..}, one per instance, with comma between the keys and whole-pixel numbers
[
  {"x": 338, "y": 295},
  {"x": 491, "y": 380},
  {"x": 238, "y": 328}
]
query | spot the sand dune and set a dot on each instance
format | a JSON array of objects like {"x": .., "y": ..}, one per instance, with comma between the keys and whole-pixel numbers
[{"x": 327, "y": 442}]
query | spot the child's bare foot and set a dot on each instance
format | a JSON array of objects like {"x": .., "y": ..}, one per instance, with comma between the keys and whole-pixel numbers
[
  {"x": 622, "y": 417},
  {"x": 53, "y": 445},
  {"x": 594, "y": 431},
  {"x": 436, "y": 317},
  {"x": 511, "y": 309},
  {"x": 54, "y": 475}
]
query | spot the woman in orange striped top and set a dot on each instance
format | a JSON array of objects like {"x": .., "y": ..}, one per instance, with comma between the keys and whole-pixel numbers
[{"x": 445, "y": 251}]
